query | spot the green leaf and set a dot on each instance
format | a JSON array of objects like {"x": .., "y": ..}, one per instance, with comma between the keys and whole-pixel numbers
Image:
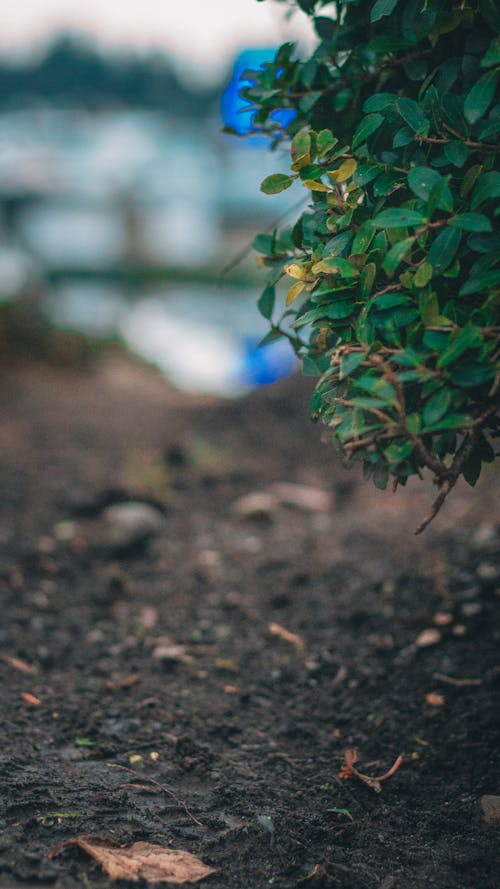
[
  {"x": 471, "y": 374},
  {"x": 480, "y": 97},
  {"x": 452, "y": 421},
  {"x": 264, "y": 244},
  {"x": 274, "y": 334},
  {"x": 490, "y": 128},
  {"x": 480, "y": 282},
  {"x": 490, "y": 12},
  {"x": 301, "y": 145},
  {"x": 398, "y": 218},
  {"x": 443, "y": 249},
  {"x": 472, "y": 468},
  {"x": 378, "y": 102},
  {"x": 412, "y": 114},
  {"x": 464, "y": 339},
  {"x": 403, "y": 137},
  {"x": 334, "y": 264},
  {"x": 266, "y": 302},
  {"x": 430, "y": 314},
  {"x": 335, "y": 311},
  {"x": 363, "y": 238},
  {"x": 423, "y": 275},
  {"x": 471, "y": 222},
  {"x": 367, "y": 279},
  {"x": 396, "y": 254},
  {"x": 487, "y": 188},
  {"x": 335, "y": 246},
  {"x": 325, "y": 27},
  {"x": 470, "y": 179},
  {"x": 365, "y": 173},
  {"x": 456, "y": 152},
  {"x": 325, "y": 142},
  {"x": 492, "y": 55},
  {"x": 369, "y": 125},
  {"x": 389, "y": 301},
  {"x": 381, "y": 476},
  {"x": 307, "y": 6},
  {"x": 349, "y": 363},
  {"x": 427, "y": 183},
  {"x": 307, "y": 102},
  {"x": 382, "y": 8},
  {"x": 436, "y": 407},
  {"x": 275, "y": 183},
  {"x": 398, "y": 452}
]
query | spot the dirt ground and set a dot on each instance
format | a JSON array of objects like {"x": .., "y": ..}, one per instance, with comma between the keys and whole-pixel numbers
[{"x": 153, "y": 700}]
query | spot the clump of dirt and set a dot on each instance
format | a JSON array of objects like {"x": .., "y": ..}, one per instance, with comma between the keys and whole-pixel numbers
[{"x": 197, "y": 686}]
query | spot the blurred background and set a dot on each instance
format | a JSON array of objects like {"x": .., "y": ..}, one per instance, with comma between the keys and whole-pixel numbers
[{"x": 121, "y": 199}]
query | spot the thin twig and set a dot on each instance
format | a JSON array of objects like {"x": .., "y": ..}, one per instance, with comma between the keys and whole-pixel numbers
[
  {"x": 163, "y": 787},
  {"x": 245, "y": 251},
  {"x": 445, "y": 489}
]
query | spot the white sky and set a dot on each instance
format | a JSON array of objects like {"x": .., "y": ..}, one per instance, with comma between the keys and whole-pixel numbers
[{"x": 203, "y": 32}]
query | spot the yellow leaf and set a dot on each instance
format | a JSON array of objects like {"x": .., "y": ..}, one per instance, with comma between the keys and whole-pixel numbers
[
  {"x": 301, "y": 161},
  {"x": 313, "y": 185},
  {"x": 296, "y": 271},
  {"x": 294, "y": 292},
  {"x": 322, "y": 338},
  {"x": 345, "y": 171}
]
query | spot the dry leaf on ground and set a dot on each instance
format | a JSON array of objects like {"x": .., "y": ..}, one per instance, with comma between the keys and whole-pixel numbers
[
  {"x": 122, "y": 682},
  {"x": 348, "y": 771},
  {"x": 17, "y": 663},
  {"x": 141, "y": 861},
  {"x": 30, "y": 699}
]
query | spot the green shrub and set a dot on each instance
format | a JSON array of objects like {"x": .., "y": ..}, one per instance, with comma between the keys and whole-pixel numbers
[{"x": 393, "y": 267}]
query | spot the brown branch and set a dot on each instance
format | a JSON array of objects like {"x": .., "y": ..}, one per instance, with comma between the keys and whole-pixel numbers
[
  {"x": 446, "y": 484},
  {"x": 478, "y": 146},
  {"x": 445, "y": 489}
]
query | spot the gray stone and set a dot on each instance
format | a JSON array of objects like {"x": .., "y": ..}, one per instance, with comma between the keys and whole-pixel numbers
[
  {"x": 130, "y": 524},
  {"x": 491, "y": 809},
  {"x": 257, "y": 505},
  {"x": 302, "y": 497}
]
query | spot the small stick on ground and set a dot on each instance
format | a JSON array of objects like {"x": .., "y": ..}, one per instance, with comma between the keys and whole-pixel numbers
[
  {"x": 163, "y": 787},
  {"x": 292, "y": 638}
]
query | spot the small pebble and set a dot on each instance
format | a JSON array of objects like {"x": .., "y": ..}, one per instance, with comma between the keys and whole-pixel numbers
[
  {"x": 443, "y": 618},
  {"x": 257, "y": 505},
  {"x": 434, "y": 699},
  {"x": 302, "y": 497},
  {"x": 459, "y": 630},
  {"x": 487, "y": 571},
  {"x": 428, "y": 637},
  {"x": 130, "y": 524},
  {"x": 491, "y": 809},
  {"x": 470, "y": 609}
]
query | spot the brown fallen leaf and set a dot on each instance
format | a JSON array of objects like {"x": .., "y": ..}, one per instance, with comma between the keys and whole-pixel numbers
[
  {"x": 348, "y": 771},
  {"x": 122, "y": 682},
  {"x": 17, "y": 663},
  {"x": 140, "y": 861},
  {"x": 30, "y": 699}
]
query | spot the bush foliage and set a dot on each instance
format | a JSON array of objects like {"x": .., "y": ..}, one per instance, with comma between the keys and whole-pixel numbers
[{"x": 393, "y": 267}]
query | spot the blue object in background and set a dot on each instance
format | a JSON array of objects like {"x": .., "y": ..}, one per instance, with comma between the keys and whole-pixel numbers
[
  {"x": 261, "y": 365},
  {"x": 233, "y": 106}
]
